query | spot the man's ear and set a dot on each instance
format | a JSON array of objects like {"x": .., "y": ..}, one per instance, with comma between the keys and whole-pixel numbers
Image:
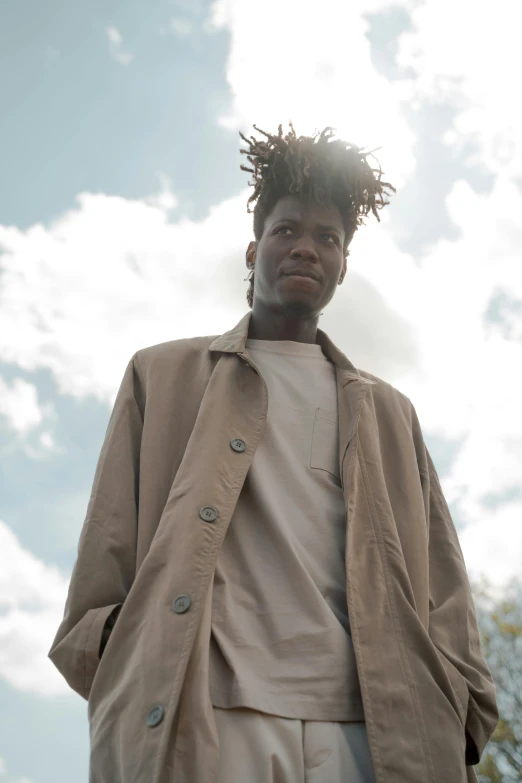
[{"x": 250, "y": 253}]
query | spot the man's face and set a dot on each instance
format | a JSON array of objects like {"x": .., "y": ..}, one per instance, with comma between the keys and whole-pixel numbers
[{"x": 299, "y": 236}]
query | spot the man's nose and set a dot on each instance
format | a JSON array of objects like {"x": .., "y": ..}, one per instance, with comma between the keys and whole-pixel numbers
[{"x": 304, "y": 248}]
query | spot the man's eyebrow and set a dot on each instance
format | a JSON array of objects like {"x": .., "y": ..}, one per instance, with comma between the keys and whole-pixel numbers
[
  {"x": 321, "y": 226},
  {"x": 329, "y": 228}
]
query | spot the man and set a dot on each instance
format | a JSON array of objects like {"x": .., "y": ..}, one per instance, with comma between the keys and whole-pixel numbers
[{"x": 269, "y": 585}]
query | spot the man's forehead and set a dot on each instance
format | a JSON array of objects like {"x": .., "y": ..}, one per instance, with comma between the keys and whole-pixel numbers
[{"x": 293, "y": 208}]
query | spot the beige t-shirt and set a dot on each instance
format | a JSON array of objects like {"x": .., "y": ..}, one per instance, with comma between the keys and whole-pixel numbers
[{"x": 280, "y": 640}]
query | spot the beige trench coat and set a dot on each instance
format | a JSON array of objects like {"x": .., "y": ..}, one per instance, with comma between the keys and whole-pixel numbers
[{"x": 149, "y": 545}]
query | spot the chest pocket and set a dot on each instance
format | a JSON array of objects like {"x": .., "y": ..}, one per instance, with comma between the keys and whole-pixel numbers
[{"x": 324, "y": 449}]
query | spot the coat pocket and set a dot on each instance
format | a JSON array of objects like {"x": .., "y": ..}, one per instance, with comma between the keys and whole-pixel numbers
[{"x": 324, "y": 448}]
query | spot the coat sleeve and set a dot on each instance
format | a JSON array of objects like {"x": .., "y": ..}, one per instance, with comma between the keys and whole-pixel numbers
[
  {"x": 106, "y": 560},
  {"x": 453, "y": 626}
]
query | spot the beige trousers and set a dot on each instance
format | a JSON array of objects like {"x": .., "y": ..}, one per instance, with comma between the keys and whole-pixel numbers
[{"x": 260, "y": 748}]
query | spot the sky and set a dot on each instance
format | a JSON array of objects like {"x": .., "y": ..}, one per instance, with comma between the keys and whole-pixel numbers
[{"x": 123, "y": 224}]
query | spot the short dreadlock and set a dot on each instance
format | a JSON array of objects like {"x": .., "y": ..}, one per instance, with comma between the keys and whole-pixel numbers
[{"x": 326, "y": 171}]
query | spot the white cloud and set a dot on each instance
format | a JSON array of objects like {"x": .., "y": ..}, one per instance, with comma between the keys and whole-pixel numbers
[
  {"x": 19, "y": 405},
  {"x": 114, "y": 276},
  {"x": 467, "y": 56},
  {"x": 115, "y": 46},
  {"x": 32, "y": 598},
  {"x": 21, "y": 412}
]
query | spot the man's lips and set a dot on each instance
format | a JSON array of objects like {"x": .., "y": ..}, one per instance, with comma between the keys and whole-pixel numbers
[{"x": 300, "y": 272}]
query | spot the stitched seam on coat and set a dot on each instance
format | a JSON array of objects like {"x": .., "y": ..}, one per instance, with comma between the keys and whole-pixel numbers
[
  {"x": 389, "y": 594},
  {"x": 355, "y": 640}
]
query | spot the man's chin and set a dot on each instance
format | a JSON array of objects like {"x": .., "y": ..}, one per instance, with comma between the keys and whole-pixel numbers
[{"x": 298, "y": 310}]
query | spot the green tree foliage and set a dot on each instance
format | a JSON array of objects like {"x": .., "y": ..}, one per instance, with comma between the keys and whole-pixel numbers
[{"x": 500, "y": 623}]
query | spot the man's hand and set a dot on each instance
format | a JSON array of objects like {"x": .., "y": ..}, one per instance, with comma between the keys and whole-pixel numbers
[{"x": 107, "y": 628}]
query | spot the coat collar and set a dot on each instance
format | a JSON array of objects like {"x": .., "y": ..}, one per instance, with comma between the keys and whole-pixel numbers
[{"x": 234, "y": 341}]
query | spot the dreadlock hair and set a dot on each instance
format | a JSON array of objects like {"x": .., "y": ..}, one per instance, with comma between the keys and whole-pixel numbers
[{"x": 326, "y": 171}]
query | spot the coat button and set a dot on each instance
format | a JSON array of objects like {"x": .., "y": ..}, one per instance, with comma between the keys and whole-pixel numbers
[
  {"x": 238, "y": 444},
  {"x": 181, "y": 604},
  {"x": 208, "y": 514},
  {"x": 155, "y": 716}
]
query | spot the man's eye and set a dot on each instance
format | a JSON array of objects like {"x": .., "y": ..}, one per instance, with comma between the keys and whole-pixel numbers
[{"x": 287, "y": 228}]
